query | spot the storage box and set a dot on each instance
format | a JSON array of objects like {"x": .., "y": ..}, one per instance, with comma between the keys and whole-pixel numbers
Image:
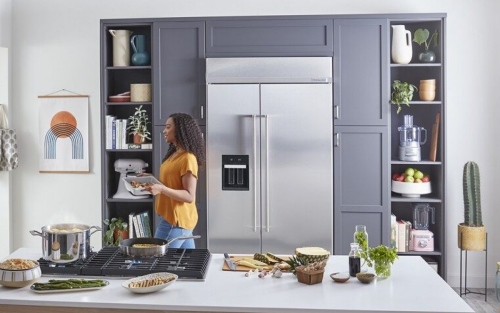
[
  {"x": 140, "y": 92},
  {"x": 310, "y": 278}
]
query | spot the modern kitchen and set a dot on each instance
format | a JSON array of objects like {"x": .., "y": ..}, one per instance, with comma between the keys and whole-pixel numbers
[{"x": 341, "y": 167}]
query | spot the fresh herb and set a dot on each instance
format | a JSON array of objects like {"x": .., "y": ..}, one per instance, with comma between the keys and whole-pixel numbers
[
  {"x": 381, "y": 257},
  {"x": 360, "y": 238},
  {"x": 402, "y": 94}
]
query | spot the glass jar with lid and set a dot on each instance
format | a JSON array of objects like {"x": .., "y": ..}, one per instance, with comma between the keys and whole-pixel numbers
[{"x": 354, "y": 259}]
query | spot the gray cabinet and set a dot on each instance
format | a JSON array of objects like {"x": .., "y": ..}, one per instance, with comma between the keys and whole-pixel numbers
[
  {"x": 361, "y": 90},
  {"x": 179, "y": 71},
  {"x": 261, "y": 37},
  {"x": 361, "y": 184},
  {"x": 201, "y": 189}
]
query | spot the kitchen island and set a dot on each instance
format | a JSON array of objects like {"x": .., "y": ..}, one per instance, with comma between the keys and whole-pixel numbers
[{"x": 413, "y": 287}]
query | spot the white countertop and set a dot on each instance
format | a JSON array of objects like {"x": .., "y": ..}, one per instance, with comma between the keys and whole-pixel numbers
[{"x": 412, "y": 287}]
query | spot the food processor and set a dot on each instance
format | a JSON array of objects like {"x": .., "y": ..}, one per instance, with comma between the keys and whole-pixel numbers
[
  {"x": 126, "y": 167},
  {"x": 410, "y": 140}
]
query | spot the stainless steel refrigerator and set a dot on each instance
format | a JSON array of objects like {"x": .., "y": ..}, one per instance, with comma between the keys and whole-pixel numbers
[{"x": 269, "y": 154}]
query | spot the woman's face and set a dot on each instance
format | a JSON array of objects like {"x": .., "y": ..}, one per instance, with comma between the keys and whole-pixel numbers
[{"x": 169, "y": 131}]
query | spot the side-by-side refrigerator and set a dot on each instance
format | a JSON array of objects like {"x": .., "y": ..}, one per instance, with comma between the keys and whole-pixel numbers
[{"x": 269, "y": 154}]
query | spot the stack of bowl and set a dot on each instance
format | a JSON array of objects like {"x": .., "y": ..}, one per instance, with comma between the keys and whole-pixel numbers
[{"x": 427, "y": 89}]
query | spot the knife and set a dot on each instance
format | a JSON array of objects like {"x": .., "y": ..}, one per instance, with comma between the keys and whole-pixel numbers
[{"x": 229, "y": 262}]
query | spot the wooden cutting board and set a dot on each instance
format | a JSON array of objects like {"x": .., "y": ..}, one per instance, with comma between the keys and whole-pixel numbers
[
  {"x": 239, "y": 268},
  {"x": 434, "y": 138}
]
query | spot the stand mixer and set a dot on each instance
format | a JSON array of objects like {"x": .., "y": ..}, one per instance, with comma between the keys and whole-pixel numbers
[
  {"x": 125, "y": 167},
  {"x": 410, "y": 140}
]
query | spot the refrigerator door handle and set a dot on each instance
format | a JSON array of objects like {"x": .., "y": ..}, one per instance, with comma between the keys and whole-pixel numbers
[
  {"x": 254, "y": 174},
  {"x": 267, "y": 173}
]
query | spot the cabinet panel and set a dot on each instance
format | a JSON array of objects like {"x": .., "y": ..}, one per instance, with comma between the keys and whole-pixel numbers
[
  {"x": 283, "y": 37},
  {"x": 374, "y": 222},
  {"x": 361, "y": 167},
  {"x": 179, "y": 71},
  {"x": 361, "y": 90}
]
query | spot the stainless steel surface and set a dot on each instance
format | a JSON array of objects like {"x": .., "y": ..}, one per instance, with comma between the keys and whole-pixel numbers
[
  {"x": 229, "y": 262},
  {"x": 126, "y": 246},
  {"x": 66, "y": 246},
  {"x": 267, "y": 173},
  {"x": 254, "y": 156},
  {"x": 269, "y": 70}
]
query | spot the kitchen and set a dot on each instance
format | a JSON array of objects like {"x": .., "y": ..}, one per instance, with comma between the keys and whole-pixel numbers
[{"x": 25, "y": 217}]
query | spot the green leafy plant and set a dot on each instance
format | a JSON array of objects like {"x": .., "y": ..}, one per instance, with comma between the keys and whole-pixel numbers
[
  {"x": 472, "y": 195},
  {"x": 402, "y": 94},
  {"x": 381, "y": 258},
  {"x": 295, "y": 262},
  {"x": 360, "y": 238},
  {"x": 114, "y": 224},
  {"x": 421, "y": 36},
  {"x": 139, "y": 123}
]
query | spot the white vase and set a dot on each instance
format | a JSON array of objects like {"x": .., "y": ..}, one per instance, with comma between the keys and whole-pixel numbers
[
  {"x": 401, "y": 51},
  {"x": 121, "y": 47}
]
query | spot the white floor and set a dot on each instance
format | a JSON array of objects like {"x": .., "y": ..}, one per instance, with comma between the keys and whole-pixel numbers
[{"x": 477, "y": 303}]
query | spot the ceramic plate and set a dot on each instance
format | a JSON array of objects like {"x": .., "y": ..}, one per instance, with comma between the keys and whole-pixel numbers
[
  {"x": 143, "y": 179},
  {"x": 32, "y": 288},
  {"x": 150, "y": 288}
]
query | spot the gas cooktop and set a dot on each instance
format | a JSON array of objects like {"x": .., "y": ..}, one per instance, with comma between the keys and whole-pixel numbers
[{"x": 188, "y": 264}]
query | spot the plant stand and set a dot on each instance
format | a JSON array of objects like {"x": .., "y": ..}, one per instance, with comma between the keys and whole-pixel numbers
[{"x": 467, "y": 291}]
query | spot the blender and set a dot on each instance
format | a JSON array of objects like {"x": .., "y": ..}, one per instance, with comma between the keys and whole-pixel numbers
[
  {"x": 421, "y": 216},
  {"x": 410, "y": 140}
]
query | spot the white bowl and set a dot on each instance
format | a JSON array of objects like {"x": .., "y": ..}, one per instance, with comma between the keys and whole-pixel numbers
[
  {"x": 411, "y": 190},
  {"x": 20, "y": 278},
  {"x": 150, "y": 288}
]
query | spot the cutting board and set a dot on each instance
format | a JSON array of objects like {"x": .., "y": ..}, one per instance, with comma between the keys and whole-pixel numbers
[
  {"x": 434, "y": 138},
  {"x": 244, "y": 268}
]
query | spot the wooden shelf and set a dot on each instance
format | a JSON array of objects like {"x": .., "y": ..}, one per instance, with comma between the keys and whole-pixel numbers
[
  {"x": 416, "y": 65},
  {"x": 128, "y": 67},
  {"x": 128, "y": 103},
  {"x": 129, "y": 150},
  {"x": 420, "y": 253},
  {"x": 423, "y": 162},
  {"x": 421, "y": 199},
  {"x": 130, "y": 200}
]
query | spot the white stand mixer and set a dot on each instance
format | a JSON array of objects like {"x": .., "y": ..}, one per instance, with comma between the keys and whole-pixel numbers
[{"x": 124, "y": 167}]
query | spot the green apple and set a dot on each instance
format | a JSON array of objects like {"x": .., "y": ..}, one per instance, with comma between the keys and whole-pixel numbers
[
  {"x": 418, "y": 180},
  {"x": 418, "y": 175},
  {"x": 409, "y": 179},
  {"x": 409, "y": 172}
]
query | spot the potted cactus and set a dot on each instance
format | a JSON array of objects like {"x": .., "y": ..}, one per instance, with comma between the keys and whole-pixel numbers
[{"x": 472, "y": 233}]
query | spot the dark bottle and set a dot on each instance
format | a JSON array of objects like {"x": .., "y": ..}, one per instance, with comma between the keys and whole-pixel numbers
[{"x": 354, "y": 260}]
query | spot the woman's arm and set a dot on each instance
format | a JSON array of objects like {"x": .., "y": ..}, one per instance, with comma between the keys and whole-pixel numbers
[{"x": 187, "y": 194}]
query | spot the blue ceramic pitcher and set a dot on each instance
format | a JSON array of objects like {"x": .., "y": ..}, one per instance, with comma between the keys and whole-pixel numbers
[{"x": 141, "y": 56}]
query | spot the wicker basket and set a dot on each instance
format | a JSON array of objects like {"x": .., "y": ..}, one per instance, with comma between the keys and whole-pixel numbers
[
  {"x": 140, "y": 92},
  {"x": 310, "y": 278}
]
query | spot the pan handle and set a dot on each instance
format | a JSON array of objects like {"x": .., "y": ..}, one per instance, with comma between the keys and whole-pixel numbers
[
  {"x": 97, "y": 228},
  {"x": 182, "y": 237},
  {"x": 37, "y": 233}
]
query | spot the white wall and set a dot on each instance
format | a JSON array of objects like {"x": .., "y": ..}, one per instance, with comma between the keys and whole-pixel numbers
[{"x": 56, "y": 45}]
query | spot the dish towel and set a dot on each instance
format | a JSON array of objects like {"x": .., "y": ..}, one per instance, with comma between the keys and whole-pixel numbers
[{"x": 9, "y": 159}]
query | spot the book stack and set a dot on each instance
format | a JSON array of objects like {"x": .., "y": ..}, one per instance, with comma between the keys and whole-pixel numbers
[
  {"x": 139, "y": 225},
  {"x": 403, "y": 238},
  {"x": 116, "y": 133}
]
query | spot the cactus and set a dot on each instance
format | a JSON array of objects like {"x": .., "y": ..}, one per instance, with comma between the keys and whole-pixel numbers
[{"x": 472, "y": 195}]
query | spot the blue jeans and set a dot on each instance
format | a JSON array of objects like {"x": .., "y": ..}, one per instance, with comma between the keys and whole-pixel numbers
[{"x": 166, "y": 231}]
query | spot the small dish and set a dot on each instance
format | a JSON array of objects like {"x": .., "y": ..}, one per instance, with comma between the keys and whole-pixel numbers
[
  {"x": 340, "y": 277},
  {"x": 119, "y": 98},
  {"x": 169, "y": 277},
  {"x": 365, "y": 278}
]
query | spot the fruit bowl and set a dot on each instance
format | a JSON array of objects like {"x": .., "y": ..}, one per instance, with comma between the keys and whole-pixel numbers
[{"x": 411, "y": 190}]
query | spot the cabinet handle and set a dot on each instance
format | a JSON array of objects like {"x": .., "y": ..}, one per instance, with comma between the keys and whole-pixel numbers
[
  {"x": 337, "y": 139},
  {"x": 337, "y": 112},
  {"x": 254, "y": 175},
  {"x": 201, "y": 109}
]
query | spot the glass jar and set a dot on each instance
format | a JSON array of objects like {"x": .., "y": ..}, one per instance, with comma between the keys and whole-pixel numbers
[
  {"x": 354, "y": 260},
  {"x": 361, "y": 237},
  {"x": 383, "y": 269},
  {"x": 497, "y": 282}
]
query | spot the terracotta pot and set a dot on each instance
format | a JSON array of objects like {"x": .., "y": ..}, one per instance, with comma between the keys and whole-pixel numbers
[
  {"x": 471, "y": 238},
  {"x": 138, "y": 139},
  {"x": 122, "y": 233}
]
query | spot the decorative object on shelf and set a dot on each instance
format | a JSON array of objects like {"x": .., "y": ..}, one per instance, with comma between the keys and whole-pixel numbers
[
  {"x": 139, "y": 126},
  {"x": 401, "y": 50},
  {"x": 434, "y": 138},
  {"x": 121, "y": 97},
  {"x": 121, "y": 47},
  {"x": 410, "y": 140},
  {"x": 140, "y": 92},
  {"x": 382, "y": 258},
  {"x": 421, "y": 36},
  {"x": 63, "y": 133},
  {"x": 117, "y": 231},
  {"x": 411, "y": 184},
  {"x": 9, "y": 159},
  {"x": 140, "y": 57},
  {"x": 402, "y": 94},
  {"x": 472, "y": 233},
  {"x": 427, "y": 89}
]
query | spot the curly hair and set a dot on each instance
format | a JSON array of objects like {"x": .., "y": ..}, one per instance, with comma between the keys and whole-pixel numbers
[{"x": 188, "y": 137}]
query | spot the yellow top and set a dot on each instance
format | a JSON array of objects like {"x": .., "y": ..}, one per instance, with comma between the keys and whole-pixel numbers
[{"x": 177, "y": 213}]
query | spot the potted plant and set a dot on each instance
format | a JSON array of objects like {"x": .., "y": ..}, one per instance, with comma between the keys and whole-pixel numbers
[
  {"x": 117, "y": 231},
  {"x": 420, "y": 37},
  {"x": 472, "y": 233},
  {"x": 139, "y": 125},
  {"x": 381, "y": 258},
  {"x": 403, "y": 93}
]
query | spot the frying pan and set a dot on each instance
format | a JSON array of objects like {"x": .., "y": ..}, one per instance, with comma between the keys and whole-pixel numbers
[{"x": 127, "y": 249}]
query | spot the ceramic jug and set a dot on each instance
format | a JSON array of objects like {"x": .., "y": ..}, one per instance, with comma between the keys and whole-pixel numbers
[
  {"x": 401, "y": 51},
  {"x": 141, "y": 56},
  {"x": 121, "y": 47}
]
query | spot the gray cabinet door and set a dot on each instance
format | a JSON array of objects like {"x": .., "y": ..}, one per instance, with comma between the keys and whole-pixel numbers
[
  {"x": 160, "y": 150},
  {"x": 260, "y": 37},
  {"x": 179, "y": 70},
  {"x": 361, "y": 89},
  {"x": 361, "y": 184}
]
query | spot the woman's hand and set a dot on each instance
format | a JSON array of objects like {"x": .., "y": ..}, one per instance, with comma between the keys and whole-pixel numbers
[
  {"x": 144, "y": 174},
  {"x": 155, "y": 189}
]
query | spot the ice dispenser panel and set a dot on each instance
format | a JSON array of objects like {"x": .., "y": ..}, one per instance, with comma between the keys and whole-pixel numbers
[{"x": 235, "y": 172}]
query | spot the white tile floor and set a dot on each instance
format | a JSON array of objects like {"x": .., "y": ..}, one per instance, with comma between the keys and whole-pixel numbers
[{"x": 477, "y": 303}]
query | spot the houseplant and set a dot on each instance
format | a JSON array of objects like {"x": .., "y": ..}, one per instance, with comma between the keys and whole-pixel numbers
[
  {"x": 403, "y": 93},
  {"x": 381, "y": 258},
  {"x": 472, "y": 233},
  {"x": 138, "y": 124},
  {"x": 420, "y": 37},
  {"x": 117, "y": 231}
]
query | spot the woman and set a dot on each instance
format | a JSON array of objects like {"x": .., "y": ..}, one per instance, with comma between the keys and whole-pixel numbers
[{"x": 175, "y": 203}]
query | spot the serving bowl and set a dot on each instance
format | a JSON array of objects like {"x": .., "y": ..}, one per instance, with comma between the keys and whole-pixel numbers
[
  {"x": 411, "y": 190},
  {"x": 365, "y": 278},
  {"x": 340, "y": 277},
  {"x": 427, "y": 95},
  {"x": 149, "y": 282},
  {"x": 18, "y": 278}
]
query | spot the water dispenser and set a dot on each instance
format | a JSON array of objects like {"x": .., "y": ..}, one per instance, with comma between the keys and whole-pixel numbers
[{"x": 235, "y": 172}]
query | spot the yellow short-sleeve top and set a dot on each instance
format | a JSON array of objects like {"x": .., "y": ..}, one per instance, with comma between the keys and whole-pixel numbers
[{"x": 177, "y": 213}]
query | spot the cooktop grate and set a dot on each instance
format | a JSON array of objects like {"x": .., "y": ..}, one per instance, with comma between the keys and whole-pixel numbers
[{"x": 109, "y": 261}]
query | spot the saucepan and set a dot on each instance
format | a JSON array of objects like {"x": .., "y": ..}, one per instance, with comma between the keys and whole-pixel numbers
[{"x": 157, "y": 248}]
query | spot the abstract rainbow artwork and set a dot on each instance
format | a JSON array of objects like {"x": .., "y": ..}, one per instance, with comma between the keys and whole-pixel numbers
[{"x": 63, "y": 134}]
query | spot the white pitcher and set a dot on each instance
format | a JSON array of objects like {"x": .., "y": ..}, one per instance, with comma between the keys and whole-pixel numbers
[
  {"x": 121, "y": 47},
  {"x": 401, "y": 51}
]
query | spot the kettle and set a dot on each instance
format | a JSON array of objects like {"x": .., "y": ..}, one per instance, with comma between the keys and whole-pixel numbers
[{"x": 421, "y": 216}]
